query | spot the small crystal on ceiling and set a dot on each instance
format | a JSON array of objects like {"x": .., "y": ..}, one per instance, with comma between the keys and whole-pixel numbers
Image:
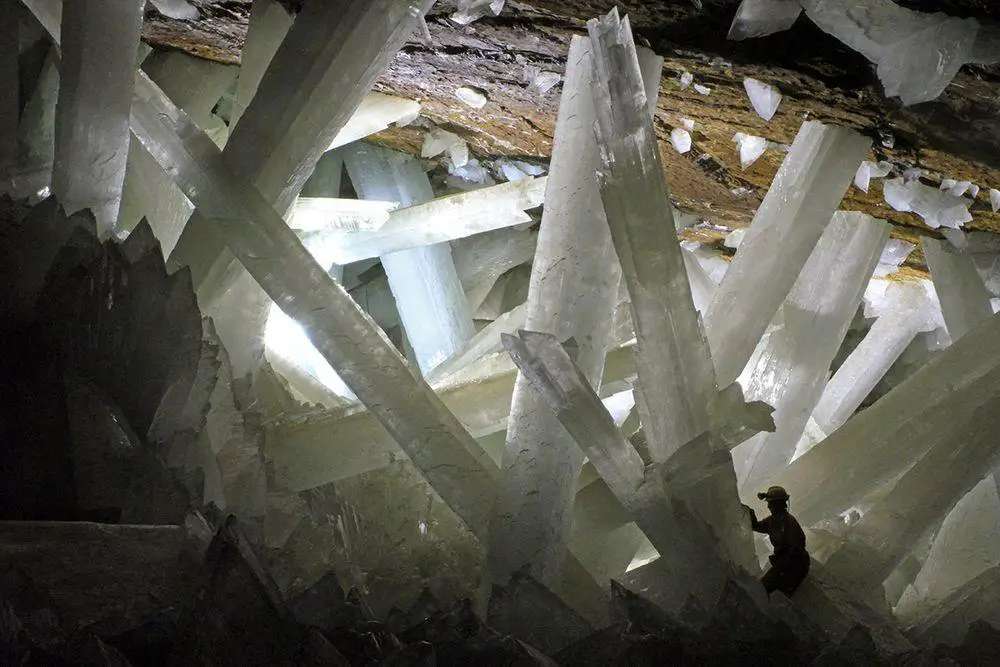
[
  {"x": 471, "y": 96},
  {"x": 681, "y": 139},
  {"x": 751, "y": 148},
  {"x": 764, "y": 97},
  {"x": 936, "y": 207}
]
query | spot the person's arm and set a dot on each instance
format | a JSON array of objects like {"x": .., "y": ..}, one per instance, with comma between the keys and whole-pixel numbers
[{"x": 755, "y": 525}]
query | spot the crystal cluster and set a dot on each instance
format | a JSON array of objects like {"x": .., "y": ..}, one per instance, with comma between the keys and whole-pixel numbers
[{"x": 256, "y": 358}]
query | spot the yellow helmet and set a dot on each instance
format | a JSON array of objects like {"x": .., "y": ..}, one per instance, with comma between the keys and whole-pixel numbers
[{"x": 774, "y": 493}]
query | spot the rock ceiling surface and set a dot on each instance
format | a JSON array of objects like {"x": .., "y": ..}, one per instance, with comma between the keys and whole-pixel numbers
[{"x": 953, "y": 137}]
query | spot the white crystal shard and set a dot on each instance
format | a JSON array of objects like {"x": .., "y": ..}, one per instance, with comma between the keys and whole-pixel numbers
[
  {"x": 960, "y": 188},
  {"x": 681, "y": 139},
  {"x": 750, "y": 147},
  {"x": 937, "y": 208},
  {"x": 905, "y": 314},
  {"x": 881, "y": 442},
  {"x": 702, "y": 90},
  {"x": 688, "y": 124},
  {"x": 917, "y": 53},
  {"x": 793, "y": 365},
  {"x": 347, "y": 338},
  {"x": 376, "y": 113},
  {"x": 947, "y": 184},
  {"x": 180, "y": 10},
  {"x": 764, "y": 97},
  {"x": 313, "y": 214},
  {"x": 676, "y": 378},
  {"x": 472, "y": 10},
  {"x": 458, "y": 155},
  {"x": 757, "y": 18},
  {"x": 99, "y": 42},
  {"x": 965, "y": 301},
  {"x": 437, "y": 141},
  {"x": 429, "y": 295},
  {"x": 995, "y": 199},
  {"x": 800, "y": 202},
  {"x": 686, "y": 79},
  {"x": 974, "y": 190},
  {"x": 444, "y": 219},
  {"x": 893, "y": 255},
  {"x": 473, "y": 97},
  {"x": 869, "y": 170},
  {"x": 545, "y": 81},
  {"x": 573, "y": 292}
]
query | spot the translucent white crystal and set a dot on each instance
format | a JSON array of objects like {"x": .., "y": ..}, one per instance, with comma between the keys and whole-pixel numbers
[
  {"x": 960, "y": 188},
  {"x": 429, "y": 295},
  {"x": 443, "y": 219},
  {"x": 800, "y": 202},
  {"x": 897, "y": 324},
  {"x": 895, "y": 253},
  {"x": 471, "y": 10},
  {"x": 947, "y": 183},
  {"x": 99, "y": 42},
  {"x": 702, "y": 90},
  {"x": 180, "y": 10},
  {"x": 869, "y": 170},
  {"x": 376, "y": 112},
  {"x": 681, "y": 139},
  {"x": 472, "y": 172},
  {"x": 687, "y": 123},
  {"x": 320, "y": 213},
  {"x": 757, "y": 18},
  {"x": 458, "y": 155},
  {"x": 545, "y": 81},
  {"x": 437, "y": 141},
  {"x": 917, "y": 53},
  {"x": 965, "y": 301},
  {"x": 573, "y": 293},
  {"x": 995, "y": 199},
  {"x": 792, "y": 367},
  {"x": 686, "y": 79},
  {"x": 471, "y": 96},
  {"x": 974, "y": 191},
  {"x": 937, "y": 208},
  {"x": 764, "y": 97},
  {"x": 750, "y": 148},
  {"x": 676, "y": 378}
]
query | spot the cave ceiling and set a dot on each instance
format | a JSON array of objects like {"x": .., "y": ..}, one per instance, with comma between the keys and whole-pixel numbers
[{"x": 953, "y": 137}]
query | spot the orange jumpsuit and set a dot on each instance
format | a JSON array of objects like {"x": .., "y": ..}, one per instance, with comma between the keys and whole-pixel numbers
[{"x": 790, "y": 561}]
